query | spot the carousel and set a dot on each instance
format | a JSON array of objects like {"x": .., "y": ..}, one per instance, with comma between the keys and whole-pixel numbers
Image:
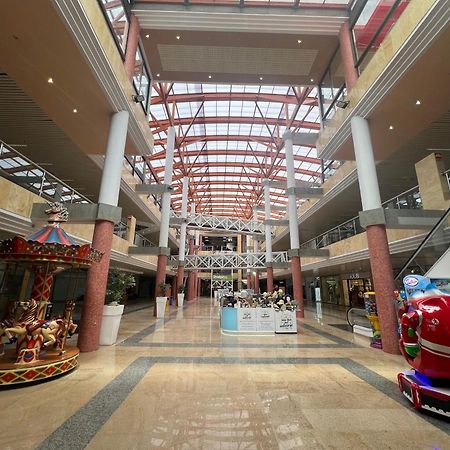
[{"x": 39, "y": 350}]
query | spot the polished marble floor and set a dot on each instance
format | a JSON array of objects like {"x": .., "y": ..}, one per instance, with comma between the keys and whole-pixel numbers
[{"x": 178, "y": 383}]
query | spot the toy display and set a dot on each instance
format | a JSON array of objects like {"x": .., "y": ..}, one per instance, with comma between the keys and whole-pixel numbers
[
  {"x": 271, "y": 312},
  {"x": 372, "y": 314},
  {"x": 40, "y": 351},
  {"x": 425, "y": 344}
]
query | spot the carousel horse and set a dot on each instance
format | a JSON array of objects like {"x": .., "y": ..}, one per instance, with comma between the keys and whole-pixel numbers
[
  {"x": 19, "y": 328},
  {"x": 34, "y": 334},
  {"x": 8, "y": 321}
]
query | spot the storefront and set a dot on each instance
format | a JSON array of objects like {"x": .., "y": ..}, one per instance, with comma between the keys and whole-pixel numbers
[{"x": 353, "y": 287}]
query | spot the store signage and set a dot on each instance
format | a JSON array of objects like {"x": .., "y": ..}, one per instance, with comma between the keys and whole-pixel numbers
[
  {"x": 411, "y": 281},
  {"x": 246, "y": 319},
  {"x": 285, "y": 322},
  {"x": 265, "y": 319}
]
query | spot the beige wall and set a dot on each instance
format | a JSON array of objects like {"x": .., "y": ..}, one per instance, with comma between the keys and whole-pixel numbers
[{"x": 432, "y": 184}]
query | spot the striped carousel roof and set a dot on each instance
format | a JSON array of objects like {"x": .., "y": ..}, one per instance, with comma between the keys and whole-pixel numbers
[{"x": 51, "y": 234}]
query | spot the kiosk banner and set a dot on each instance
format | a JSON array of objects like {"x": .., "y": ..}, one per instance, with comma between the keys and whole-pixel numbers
[
  {"x": 285, "y": 322},
  {"x": 246, "y": 319},
  {"x": 265, "y": 319}
]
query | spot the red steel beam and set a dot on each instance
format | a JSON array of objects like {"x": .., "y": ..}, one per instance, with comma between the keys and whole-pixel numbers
[
  {"x": 232, "y": 96},
  {"x": 234, "y": 164},
  {"x": 162, "y": 125}
]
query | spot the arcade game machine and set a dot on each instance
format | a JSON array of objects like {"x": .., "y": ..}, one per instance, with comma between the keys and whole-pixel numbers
[{"x": 425, "y": 343}]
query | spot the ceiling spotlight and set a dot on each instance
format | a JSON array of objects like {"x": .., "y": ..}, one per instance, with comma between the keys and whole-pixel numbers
[
  {"x": 178, "y": 37},
  {"x": 50, "y": 80},
  {"x": 75, "y": 110},
  {"x": 299, "y": 41},
  {"x": 147, "y": 36},
  {"x": 138, "y": 98},
  {"x": 312, "y": 80},
  {"x": 418, "y": 102},
  {"x": 342, "y": 103},
  {"x": 391, "y": 127},
  {"x": 209, "y": 76},
  {"x": 261, "y": 78}
]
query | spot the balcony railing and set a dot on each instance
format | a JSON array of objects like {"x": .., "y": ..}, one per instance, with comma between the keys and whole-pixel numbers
[
  {"x": 120, "y": 229},
  {"x": 19, "y": 169},
  {"x": 409, "y": 199}
]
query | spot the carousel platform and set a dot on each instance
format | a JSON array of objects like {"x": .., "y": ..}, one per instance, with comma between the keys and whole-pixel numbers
[{"x": 50, "y": 364}]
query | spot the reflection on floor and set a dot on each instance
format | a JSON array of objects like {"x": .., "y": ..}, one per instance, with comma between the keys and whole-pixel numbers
[{"x": 179, "y": 383}]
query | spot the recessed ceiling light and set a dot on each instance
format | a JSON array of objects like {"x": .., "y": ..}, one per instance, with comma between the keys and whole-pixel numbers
[
  {"x": 75, "y": 110},
  {"x": 312, "y": 80},
  {"x": 158, "y": 74},
  {"x": 418, "y": 102},
  {"x": 391, "y": 127},
  {"x": 178, "y": 36},
  {"x": 147, "y": 36},
  {"x": 261, "y": 78},
  {"x": 299, "y": 41},
  {"x": 50, "y": 80},
  {"x": 209, "y": 76}
]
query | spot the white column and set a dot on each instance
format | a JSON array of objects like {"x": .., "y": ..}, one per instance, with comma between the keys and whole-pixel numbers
[
  {"x": 165, "y": 198},
  {"x": 247, "y": 245},
  {"x": 292, "y": 199},
  {"x": 365, "y": 164},
  {"x": 112, "y": 169},
  {"x": 255, "y": 221},
  {"x": 267, "y": 228},
  {"x": 183, "y": 228}
]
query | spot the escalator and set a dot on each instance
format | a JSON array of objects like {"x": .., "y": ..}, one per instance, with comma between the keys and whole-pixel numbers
[{"x": 432, "y": 256}]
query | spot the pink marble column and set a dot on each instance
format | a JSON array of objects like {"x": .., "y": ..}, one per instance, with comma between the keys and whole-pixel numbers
[
  {"x": 97, "y": 278},
  {"x": 297, "y": 285},
  {"x": 256, "y": 282},
  {"x": 249, "y": 280},
  {"x": 191, "y": 275},
  {"x": 132, "y": 45},
  {"x": 269, "y": 272},
  {"x": 384, "y": 286},
  {"x": 180, "y": 277},
  {"x": 161, "y": 267},
  {"x": 348, "y": 61}
]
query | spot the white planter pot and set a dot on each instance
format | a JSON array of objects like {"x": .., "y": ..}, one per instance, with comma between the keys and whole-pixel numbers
[
  {"x": 110, "y": 324},
  {"x": 160, "y": 306},
  {"x": 180, "y": 300}
]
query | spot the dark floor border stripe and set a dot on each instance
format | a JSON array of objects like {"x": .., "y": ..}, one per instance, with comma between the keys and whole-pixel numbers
[
  {"x": 226, "y": 345},
  {"x": 78, "y": 430}
]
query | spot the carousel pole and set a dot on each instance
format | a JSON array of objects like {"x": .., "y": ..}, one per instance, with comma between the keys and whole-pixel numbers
[{"x": 94, "y": 299}]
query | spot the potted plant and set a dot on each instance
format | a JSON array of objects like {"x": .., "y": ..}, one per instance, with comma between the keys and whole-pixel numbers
[
  {"x": 161, "y": 301},
  {"x": 180, "y": 295},
  {"x": 118, "y": 283}
]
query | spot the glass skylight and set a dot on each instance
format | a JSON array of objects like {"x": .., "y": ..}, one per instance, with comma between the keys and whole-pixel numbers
[{"x": 228, "y": 142}]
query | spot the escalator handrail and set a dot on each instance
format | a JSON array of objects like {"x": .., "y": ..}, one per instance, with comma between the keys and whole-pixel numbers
[{"x": 423, "y": 243}]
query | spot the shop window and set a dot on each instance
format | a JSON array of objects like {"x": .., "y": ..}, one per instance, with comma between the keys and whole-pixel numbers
[
  {"x": 332, "y": 86},
  {"x": 118, "y": 22},
  {"x": 141, "y": 78}
]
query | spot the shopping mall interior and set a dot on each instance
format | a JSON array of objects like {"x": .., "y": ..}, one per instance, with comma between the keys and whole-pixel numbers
[{"x": 224, "y": 224}]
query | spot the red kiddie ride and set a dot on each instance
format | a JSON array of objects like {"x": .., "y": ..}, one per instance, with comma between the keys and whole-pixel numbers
[{"x": 425, "y": 343}]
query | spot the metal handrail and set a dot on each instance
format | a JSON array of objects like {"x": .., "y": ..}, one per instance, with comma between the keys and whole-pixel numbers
[
  {"x": 46, "y": 177},
  {"x": 441, "y": 221},
  {"x": 446, "y": 174},
  {"x": 353, "y": 223}
]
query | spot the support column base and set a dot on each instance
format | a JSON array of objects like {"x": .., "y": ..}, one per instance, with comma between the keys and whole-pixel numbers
[{"x": 384, "y": 286}]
